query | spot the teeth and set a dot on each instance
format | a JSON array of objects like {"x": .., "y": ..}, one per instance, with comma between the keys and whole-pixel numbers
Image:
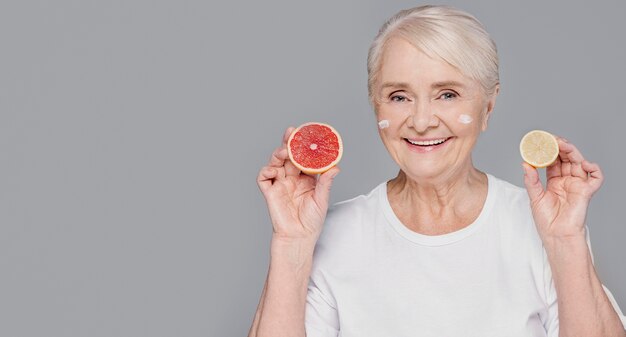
[{"x": 428, "y": 142}]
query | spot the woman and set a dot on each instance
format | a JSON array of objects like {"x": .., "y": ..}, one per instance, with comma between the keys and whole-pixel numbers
[{"x": 442, "y": 249}]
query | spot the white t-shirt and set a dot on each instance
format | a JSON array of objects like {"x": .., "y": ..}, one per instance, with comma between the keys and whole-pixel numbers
[{"x": 372, "y": 276}]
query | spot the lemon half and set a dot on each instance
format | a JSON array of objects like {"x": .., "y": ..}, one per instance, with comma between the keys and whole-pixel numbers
[{"x": 539, "y": 148}]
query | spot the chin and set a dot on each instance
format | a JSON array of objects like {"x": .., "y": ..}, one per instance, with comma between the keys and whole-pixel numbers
[{"x": 423, "y": 171}]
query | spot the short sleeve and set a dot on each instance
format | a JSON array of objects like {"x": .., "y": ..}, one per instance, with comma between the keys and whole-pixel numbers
[
  {"x": 321, "y": 318},
  {"x": 551, "y": 323},
  {"x": 615, "y": 306}
]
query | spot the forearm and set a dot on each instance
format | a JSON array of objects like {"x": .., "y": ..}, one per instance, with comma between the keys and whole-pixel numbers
[
  {"x": 584, "y": 309},
  {"x": 281, "y": 308},
  {"x": 257, "y": 314}
]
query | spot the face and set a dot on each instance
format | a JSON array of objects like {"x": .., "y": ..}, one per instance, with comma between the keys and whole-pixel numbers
[{"x": 435, "y": 113}]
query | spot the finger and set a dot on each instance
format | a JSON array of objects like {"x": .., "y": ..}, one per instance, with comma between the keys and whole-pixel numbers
[
  {"x": 596, "y": 177},
  {"x": 532, "y": 183},
  {"x": 577, "y": 171},
  {"x": 287, "y": 134},
  {"x": 574, "y": 156},
  {"x": 564, "y": 149},
  {"x": 324, "y": 183},
  {"x": 265, "y": 178},
  {"x": 593, "y": 169},
  {"x": 290, "y": 168},
  {"x": 554, "y": 170},
  {"x": 569, "y": 153},
  {"x": 278, "y": 157},
  {"x": 280, "y": 153},
  {"x": 566, "y": 168}
]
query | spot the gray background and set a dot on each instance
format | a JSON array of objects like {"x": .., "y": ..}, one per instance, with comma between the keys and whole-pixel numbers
[{"x": 131, "y": 134}]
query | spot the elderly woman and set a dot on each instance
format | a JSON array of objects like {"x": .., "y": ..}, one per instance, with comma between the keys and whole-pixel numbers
[{"x": 442, "y": 249}]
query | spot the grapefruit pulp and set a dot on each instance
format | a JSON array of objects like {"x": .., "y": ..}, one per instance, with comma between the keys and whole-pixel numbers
[{"x": 314, "y": 147}]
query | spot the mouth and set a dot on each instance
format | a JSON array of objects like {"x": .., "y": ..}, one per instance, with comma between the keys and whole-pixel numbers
[
  {"x": 427, "y": 142},
  {"x": 426, "y": 145}
]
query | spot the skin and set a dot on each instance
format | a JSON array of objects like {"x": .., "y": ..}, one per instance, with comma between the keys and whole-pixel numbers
[
  {"x": 441, "y": 186},
  {"x": 436, "y": 192},
  {"x": 559, "y": 211},
  {"x": 297, "y": 204}
]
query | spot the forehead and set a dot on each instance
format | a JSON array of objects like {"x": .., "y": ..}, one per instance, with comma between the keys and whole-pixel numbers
[{"x": 403, "y": 63}]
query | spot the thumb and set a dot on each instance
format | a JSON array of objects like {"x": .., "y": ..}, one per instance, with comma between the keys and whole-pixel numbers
[
  {"x": 325, "y": 181},
  {"x": 532, "y": 182}
]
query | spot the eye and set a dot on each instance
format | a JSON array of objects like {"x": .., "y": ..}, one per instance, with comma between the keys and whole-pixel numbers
[
  {"x": 448, "y": 95},
  {"x": 398, "y": 98}
]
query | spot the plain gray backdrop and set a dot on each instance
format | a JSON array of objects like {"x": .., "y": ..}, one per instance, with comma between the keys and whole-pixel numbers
[{"x": 131, "y": 134}]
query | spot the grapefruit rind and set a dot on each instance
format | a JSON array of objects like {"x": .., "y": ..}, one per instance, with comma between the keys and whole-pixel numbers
[
  {"x": 309, "y": 170},
  {"x": 539, "y": 148}
]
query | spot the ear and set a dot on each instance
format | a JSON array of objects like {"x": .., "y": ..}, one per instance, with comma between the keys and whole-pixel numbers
[{"x": 491, "y": 103}]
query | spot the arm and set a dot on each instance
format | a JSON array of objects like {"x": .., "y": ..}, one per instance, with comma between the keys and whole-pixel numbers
[
  {"x": 281, "y": 308},
  {"x": 584, "y": 308},
  {"x": 297, "y": 204},
  {"x": 559, "y": 212}
]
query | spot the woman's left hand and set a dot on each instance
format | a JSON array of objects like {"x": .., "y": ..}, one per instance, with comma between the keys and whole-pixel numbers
[{"x": 560, "y": 209}]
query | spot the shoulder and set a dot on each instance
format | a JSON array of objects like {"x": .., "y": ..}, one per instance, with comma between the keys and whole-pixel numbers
[
  {"x": 512, "y": 214},
  {"x": 352, "y": 210},
  {"x": 348, "y": 215},
  {"x": 509, "y": 197},
  {"x": 350, "y": 224},
  {"x": 508, "y": 191}
]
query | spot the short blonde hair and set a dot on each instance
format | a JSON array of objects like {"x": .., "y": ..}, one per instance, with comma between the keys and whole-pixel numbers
[{"x": 443, "y": 32}]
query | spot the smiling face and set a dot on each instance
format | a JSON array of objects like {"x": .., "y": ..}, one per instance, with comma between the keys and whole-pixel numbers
[{"x": 435, "y": 113}]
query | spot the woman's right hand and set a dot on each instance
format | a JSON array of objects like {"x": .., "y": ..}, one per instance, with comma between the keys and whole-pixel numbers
[{"x": 297, "y": 202}]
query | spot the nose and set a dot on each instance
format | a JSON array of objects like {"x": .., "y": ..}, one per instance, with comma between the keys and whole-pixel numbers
[{"x": 423, "y": 117}]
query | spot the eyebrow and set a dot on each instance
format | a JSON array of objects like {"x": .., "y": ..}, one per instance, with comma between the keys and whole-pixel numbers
[
  {"x": 400, "y": 85},
  {"x": 448, "y": 84},
  {"x": 436, "y": 85}
]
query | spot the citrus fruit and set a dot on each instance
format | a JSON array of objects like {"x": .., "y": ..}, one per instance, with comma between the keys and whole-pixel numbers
[
  {"x": 314, "y": 147},
  {"x": 539, "y": 148}
]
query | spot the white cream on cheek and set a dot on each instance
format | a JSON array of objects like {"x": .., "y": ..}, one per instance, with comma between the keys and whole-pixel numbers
[
  {"x": 465, "y": 119},
  {"x": 383, "y": 124}
]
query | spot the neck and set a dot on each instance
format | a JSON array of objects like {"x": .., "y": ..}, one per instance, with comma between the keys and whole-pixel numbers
[{"x": 438, "y": 204}]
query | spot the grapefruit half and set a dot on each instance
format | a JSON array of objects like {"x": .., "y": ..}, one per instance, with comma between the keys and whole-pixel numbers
[{"x": 314, "y": 147}]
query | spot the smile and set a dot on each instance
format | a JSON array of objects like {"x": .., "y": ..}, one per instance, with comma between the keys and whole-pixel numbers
[
  {"x": 429, "y": 142},
  {"x": 427, "y": 145}
]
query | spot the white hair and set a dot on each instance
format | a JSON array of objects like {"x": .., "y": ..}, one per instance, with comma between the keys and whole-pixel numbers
[{"x": 443, "y": 32}]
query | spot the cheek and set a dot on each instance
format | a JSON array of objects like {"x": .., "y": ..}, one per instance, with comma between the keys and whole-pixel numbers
[
  {"x": 389, "y": 128},
  {"x": 460, "y": 122},
  {"x": 388, "y": 122},
  {"x": 384, "y": 115},
  {"x": 464, "y": 119}
]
